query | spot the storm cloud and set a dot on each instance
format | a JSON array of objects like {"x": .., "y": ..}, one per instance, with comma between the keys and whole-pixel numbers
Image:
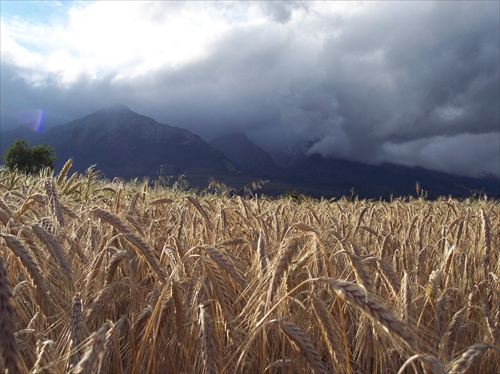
[{"x": 414, "y": 83}]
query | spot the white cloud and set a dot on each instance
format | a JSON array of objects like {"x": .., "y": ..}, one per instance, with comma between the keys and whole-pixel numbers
[
  {"x": 119, "y": 36},
  {"x": 465, "y": 154},
  {"x": 137, "y": 38}
]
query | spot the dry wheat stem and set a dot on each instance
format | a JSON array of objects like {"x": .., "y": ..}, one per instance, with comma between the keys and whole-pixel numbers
[
  {"x": 8, "y": 346},
  {"x": 53, "y": 200},
  {"x": 472, "y": 354},
  {"x": 144, "y": 249},
  {"x": 297, "y": 335},
  {"x": 94, "y": 351},
  {"x": 208, "y": 344},
  {"x": 359, "y": 298},
  {"x": 236, "y": 257},
  {"x": 76, "y": 331},
  {"x": 435, "y": 366},
  {"x": 31, "y": 266}
]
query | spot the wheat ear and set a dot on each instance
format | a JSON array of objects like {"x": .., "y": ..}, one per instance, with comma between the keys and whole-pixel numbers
[
  {"x": 76, "y": 331},
  {"x": 5, "y": 212},
  {"x": 8, "y": 346},
  {"x": 89, "y": 362},
  {"x": 113, "y": 264},
  {"x": 485, "y": 232},
  {"x": 179, "y": 312},
  {"x": 225, "y": 264},
  {"x": 455, "y": 326},
  {"x": 328, "y": 333},
  {"x": 362, "y": 276},
  {"x": 377, "y": 312},
  {"x": 202, "y": 211},
  {"x": 389, "y": 275},
  {"x": 18, "y": 248},
  {"x": 208, "y": 345},
  {"x": 64, "y": 171},
  {"x": 53, "y": 200},
  {"x": 471, "y": 355},
  {"x": 45, "y": 356},
  {"x": 284, "y": 262},
  {"x": 55, "y": 251},
  {"x": 144, "y": 249},
  {"x": 295, "y": 333},
  {"x": 261, "y": 250}
]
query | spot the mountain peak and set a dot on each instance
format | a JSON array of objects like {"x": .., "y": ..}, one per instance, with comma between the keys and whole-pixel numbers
[
  {"x": 117, "y": 108},
  {"x": 124, "y": 143}
]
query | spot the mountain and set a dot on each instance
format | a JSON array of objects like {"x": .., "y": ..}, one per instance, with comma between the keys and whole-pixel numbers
[
  {"x": 126, "y": 144},
  {"x": 317, "y": 175},
  {"x": 8, "y": 136},
  {"x": 247, "y": 157}
]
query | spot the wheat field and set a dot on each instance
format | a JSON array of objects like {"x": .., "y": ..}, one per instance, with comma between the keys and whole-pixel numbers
[{"x": 102, "y": 276}]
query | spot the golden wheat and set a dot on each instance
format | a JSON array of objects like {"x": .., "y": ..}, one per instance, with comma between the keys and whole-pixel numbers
[{"x": 99, "y": 276}]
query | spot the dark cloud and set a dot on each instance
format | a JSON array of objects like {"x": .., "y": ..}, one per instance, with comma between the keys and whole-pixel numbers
[
  {"x": 282, "y": 11},
  {"x": 415, "y": 83}
]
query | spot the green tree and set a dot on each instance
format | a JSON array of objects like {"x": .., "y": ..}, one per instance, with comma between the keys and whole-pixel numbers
[{"x": 29, "y": 160}]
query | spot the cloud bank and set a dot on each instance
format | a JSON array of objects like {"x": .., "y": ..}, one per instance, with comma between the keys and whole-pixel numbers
[{"x": 415, "y": 83}]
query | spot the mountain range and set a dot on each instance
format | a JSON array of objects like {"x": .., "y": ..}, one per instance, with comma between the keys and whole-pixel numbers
[{"x": 126, "y": 144}]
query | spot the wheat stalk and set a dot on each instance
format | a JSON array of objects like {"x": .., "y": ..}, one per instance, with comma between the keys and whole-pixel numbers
[
  {"x": 18, "y": 248},
  {"x": 297, "y": 335},
  {"x": 64, "y": 172},
  {"x": 53, "y": 200},
  {"x": 281, "y": 267},
  {"x": 144, "y": 249},
  {"x": 435, "y": 366},
  {"x": 470, "y": 356},
  {"x": 95, "y": 348},
  {"x": 9, "y": 353},
  {"x": 377, "y": 312},
  {"x": 225, "y": 264},
  {"x": 55, "y": 251},
  {"x": 76, "y": 331},
  {"x": 208, "y": 344},
  {"x": 202, "y": 211}
]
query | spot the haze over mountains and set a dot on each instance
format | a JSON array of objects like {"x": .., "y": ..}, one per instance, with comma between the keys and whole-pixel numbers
[{"x": 126, "y": 144}]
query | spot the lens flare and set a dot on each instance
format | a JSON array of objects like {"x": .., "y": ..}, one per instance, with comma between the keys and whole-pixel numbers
[{"x": 33, "y": 119}]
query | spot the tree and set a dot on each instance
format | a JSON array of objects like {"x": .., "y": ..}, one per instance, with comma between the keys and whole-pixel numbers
[{"x": 29, "y": 160}]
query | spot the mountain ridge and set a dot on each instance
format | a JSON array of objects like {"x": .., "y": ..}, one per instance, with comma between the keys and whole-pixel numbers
[
  {"x": 246, "y": 155},
  {"x": 127, "y": 144}
]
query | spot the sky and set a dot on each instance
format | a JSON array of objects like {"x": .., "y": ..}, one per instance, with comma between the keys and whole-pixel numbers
[{"x": 415, "y": 83}]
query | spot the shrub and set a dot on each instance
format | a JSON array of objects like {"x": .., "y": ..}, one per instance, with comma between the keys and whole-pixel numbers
[{"x": 29, "y": 160}]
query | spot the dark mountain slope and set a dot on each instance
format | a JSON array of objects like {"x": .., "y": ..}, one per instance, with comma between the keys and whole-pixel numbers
[
  {"x": 126, "y": 144},
  {"x": 23, "y": 133},
  {"x": 340, "y": 176},
  {"x": 248, "y": 157}
]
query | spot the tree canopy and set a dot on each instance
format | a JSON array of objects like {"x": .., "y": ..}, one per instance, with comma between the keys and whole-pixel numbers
[{"x": 29, "y": 160}]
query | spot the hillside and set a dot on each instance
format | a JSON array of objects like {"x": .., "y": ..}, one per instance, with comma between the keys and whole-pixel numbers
[
  {"x": 246, "y": 155},
  {"x": 342, "y": 177},
  {"x": 126, "y": 144}
]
